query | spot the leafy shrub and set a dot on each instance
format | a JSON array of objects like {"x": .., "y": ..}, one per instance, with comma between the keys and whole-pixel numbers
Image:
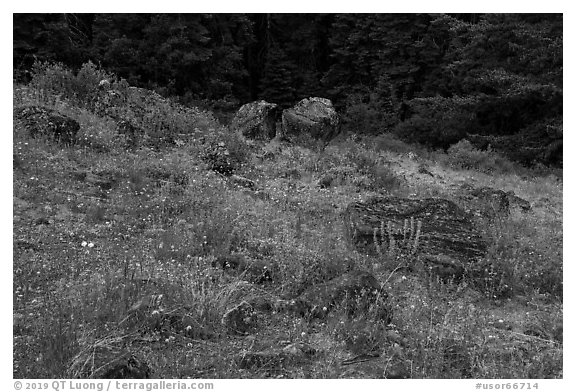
[
  {"x": 463, "y": 155},
  {"x": 93, "y": 89},
  {"x": 225, "y": 152},
  {"x": 82, "y": 88}
]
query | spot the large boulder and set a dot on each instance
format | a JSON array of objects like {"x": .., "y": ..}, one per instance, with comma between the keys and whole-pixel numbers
[
  {"x": 256, "y": 120},
  {"x": 312, "y": 117},
  {"x": 445, "y": 228},
  {"x": 356, "y": 291},
  {"x": 42, "y": 121}
]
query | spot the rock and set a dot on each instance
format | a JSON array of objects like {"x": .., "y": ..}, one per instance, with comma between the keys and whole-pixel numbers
[
  {"x": 242, "y": 182},
  {"x": 256, "y": 120},
  {"x": 516, "y": 201},
  {"x": 356, "y": 291},
  {"x": 262, "y": 303},
  {"x": 492, "y": 202},
  {"x": 444, "y": 267},
  {"x": 495, "y": 202},
  {"x": 129, "y": 368},
  {"x": 446, "y": 229},
  {"x": 313, "y": 117},
  {"x": 325, "y": 181},
  {"x": 43, "y": 121},
  {"x": 240, "y": 319},
  {"x": 275, "y": 358}
]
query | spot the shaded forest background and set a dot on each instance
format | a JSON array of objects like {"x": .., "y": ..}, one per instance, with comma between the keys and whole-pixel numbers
[{"x": 432, "y": 79}]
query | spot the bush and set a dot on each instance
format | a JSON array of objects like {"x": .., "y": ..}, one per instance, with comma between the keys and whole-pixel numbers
[
  {"x": 463, "y": 155},
  {"x": 82, "y": 89},
  {"x": 225, "y": 152}
]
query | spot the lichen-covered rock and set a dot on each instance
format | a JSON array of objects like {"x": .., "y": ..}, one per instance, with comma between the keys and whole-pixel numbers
[
  {"x": 446, "y": 229},
  {"x": 240, "y": 319},
  {"x": 494, "y": 202},
  {"x": 242, "y": 182},
  {"x": 356, "y": 291},
  {"x": 519, "y": 202},
  {"x": 256, "y": 120},
  {"x": 38, "y": 120},
  {"x": 490, "y": 202},
  {"x": 314, "y": 117}
]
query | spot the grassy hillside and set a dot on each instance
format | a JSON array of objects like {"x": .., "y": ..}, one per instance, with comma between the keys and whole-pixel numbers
[{"x": 102, "y": 225}]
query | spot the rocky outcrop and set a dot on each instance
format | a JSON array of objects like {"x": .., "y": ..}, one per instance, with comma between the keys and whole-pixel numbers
[
  {"x": 312, "y": 117},
  {"x": 41, "y": 121},
  {"x": 355, "y": 291},
  {"x": 256, "y": 120},
  {"x": 446, "y": 229}
]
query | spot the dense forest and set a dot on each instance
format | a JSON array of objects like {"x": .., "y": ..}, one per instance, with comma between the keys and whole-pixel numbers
[{"x": 433, "y": 79}]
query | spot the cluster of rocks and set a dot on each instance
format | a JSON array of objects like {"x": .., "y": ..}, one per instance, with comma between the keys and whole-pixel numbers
[{"x": 312, "y": 117}]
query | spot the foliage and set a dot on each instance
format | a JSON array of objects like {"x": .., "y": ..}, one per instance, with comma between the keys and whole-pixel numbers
[
  {"x": 436, "y": 122},
  {"x": 431, "y": 78},
  {"x": 463, "y": 155}
]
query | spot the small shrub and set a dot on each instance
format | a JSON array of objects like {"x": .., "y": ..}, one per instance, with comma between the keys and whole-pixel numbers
[
  {"x": 225, "y": 152},
  {"x": 463, "y": 155},
  {"x": 57, "y": 80}
]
